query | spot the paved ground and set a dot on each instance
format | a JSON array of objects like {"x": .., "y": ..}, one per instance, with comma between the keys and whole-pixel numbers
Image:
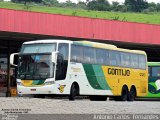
[{"x": 82, "y": 106}]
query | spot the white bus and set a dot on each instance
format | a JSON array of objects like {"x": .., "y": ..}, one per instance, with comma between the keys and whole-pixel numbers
[{"x": 62, "y": 67}]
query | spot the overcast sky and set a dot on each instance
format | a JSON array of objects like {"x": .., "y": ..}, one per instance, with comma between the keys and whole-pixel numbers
[{"x": 120, "y": 1}]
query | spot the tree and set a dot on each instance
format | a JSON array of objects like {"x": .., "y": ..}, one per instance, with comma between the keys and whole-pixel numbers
[
  {"x": 115, "y": 6},
  {"x": 136, "y": 5},
  {"x": 82, "y": 5},
  {"x": 100, "y": 5},
  {"x": 36, "y": 1},
  {"x": 158, "y": 7},
  {"x": 50, "y": 2},
  {"x": 69, "y": 3}
]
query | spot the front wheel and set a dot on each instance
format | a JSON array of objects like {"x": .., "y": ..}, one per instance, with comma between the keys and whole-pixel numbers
[{"x": 72, "y": 93}]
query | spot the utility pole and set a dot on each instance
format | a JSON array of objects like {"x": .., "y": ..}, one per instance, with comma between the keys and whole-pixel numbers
[{"x": 8, "y": 71}]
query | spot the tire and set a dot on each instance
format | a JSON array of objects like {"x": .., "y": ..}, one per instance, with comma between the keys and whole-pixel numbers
[
  {"x": 73, "y": 93},
  {"x": 132, "y": 94},
  {"x": 98, "y": 98},
  {"x": 124, "y": 94}
]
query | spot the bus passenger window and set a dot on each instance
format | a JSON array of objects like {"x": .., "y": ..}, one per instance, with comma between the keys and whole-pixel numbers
[
  {"x": 125, "y": 59},
  {"x": 142, "y": 62},
  {"x": 114, "y": 58},
  {"x": 89, "y": 55},
  {"x": 101, "y": 57},
  {"x": 76, "y": 53},
  {"x": 134, "y": 61},
  {"x": 156, "y": 71}
]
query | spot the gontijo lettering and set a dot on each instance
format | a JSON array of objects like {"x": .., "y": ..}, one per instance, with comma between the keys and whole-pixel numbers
[{"x": 114, "y": 71}]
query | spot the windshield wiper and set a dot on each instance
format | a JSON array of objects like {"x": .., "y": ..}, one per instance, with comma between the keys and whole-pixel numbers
[
  {"x": 21, "y": 76},
  {"x": 43, "y": 75}
]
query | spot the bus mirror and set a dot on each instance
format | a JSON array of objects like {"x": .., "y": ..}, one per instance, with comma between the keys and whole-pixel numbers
[
  {"x": 54, "y": 56},
  {"x": 12, "y": 59}
]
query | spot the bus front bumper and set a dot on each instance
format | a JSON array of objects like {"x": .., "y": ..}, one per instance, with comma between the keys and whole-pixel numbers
[{"x": 46, "y": 89}]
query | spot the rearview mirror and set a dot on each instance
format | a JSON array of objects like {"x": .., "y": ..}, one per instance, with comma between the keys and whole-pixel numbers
[
  {"x": 12, "y": 59},
  {"x": 54, "y": 56}
]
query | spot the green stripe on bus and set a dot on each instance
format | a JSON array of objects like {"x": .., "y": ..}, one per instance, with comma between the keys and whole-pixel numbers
[
  {"x": 91, "y": 76},
  {"x": 38, "y": 82},
  {"x": 100, "y": 77}
]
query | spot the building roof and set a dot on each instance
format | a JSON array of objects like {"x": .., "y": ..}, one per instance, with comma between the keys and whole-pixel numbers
[{"x": 78, "y": 27}]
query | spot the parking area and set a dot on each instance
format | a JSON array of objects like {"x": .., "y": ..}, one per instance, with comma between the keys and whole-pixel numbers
[{"x": 80, "y": 106}]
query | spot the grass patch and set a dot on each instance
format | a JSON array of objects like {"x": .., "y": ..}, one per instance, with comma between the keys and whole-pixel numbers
[{"x": 149, "y": 18}]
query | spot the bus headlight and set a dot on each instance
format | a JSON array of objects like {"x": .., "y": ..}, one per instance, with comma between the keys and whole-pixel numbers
[
  {"x": 19, "y": 83},
  {"x": 49, "y": 83}
]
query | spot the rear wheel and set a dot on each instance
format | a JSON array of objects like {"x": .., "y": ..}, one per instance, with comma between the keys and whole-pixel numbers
[
  {"x": 132, "y": 94},
  {"x": 124, "y": 94}
]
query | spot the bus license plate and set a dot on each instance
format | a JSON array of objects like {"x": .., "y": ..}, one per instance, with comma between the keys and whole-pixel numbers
[{"x": 33, "y": 89}]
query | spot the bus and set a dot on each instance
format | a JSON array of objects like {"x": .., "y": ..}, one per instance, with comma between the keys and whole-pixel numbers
[
  {"x": 154, "y": 79},
  {"x": 73, "y": 68}
]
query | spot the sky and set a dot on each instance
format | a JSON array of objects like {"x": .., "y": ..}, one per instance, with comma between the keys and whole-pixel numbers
[{"x": 120, "y": 1}]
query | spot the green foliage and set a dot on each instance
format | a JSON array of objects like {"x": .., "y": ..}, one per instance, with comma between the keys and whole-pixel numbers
[
  {"x": 150, "y": 17},
  {"x": 82, "y": 5},
  {"x": 136, "y": 5},
  {"x": 25, "y": 1},
  {"x": 99, "y": 5},
  {"x": 74, "y": 13},
  {"x": 50, "y": 2}
]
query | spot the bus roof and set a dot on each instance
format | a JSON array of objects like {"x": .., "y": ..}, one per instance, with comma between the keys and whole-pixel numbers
[
  {"x": 94, "y": 44},
  {"x": 48, "y": 41},
  {"x": 86, "y": 43},
  {"x": 106, "y": 46},
  {"x": 153, "y": 63}
]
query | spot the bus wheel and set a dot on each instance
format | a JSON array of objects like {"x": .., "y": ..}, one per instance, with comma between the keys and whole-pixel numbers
[
  {"x": 132, "y": 94},
  {"x": 73, "y": 92},
  {"x": 124, "y": 93}
]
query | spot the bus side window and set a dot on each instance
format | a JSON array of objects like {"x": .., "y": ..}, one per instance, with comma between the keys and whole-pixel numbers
[
  {"x": 134, "y": 61},
  {"x": 101, "y": 56},
  {"x": 89, "y": 55},
  {"x": 142, "y": 62},
  {"x": 76, "y": 53},
  {"x": 114, "y": 58},
  {"x": 155, "y": 71},
  {"x": 125, "y": 59}
]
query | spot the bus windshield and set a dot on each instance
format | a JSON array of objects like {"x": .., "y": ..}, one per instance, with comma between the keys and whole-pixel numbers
[
  {"x": 35, "y": 61},
  {"x": 35, "y": 66}
]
